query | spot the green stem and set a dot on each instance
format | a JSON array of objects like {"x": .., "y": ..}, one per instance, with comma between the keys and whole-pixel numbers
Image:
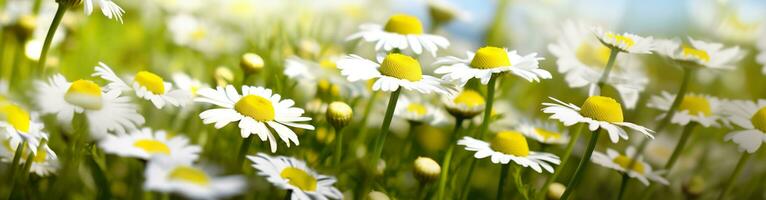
[
  {"x": 577, "y": 177},
  {"x": 688, "y": 129},
  {"x": 243, "y": 150},
  {"x": 338, "y": 145},
  {"x": 623, "y": 186},
  {"x": 483, "y": 128},
  {"x": 365, "y": 116},
  {"x": 99, "y": 177},
  {"x": 564, "y": 160},
  {"x": 500, "y": 185},
  {"x": 289, "y": 195},
  {"x": 14, "y": 164},
  {"x": 467, "y": 180},
  {"x": 444, "y": 176},
  {"x": 519, "y": 183},
  {"x": 734, "y": 175},
  {"x": 380, "y": 140},
  {"x": 608, "y": 69},
  {"x": 49, "y": 37}
]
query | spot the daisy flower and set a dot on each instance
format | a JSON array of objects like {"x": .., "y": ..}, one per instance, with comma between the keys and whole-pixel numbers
[
  {"x": 105, "y": 110},
  {"x": 147, "y": 85},
  {"x": 144, "y": 143},
  {"x": 108, "y": 8},
  {"x": 418, "y": 111},
  {"x": 751, "y": 116},
  {"x": 598, "y": 112},
  {"x": 18, "y": 126},
  {"x": 257, "y": 110},
  {"x": 188, "y": 85},
  {"x": 625, "y": 42},
  {"x": 403, "y": 32},
  {"x": 546, "y": 133},
  {"x": 703, "y": 109},
  {"x": 466, "y": 104},
  {"x": 165, "y": 174},
  {"x": 582, "y": 60},
  {"x": 488, "y": 61},
  {"x": 510, "y": 146},
  {"x": 292, "y": 174},
  {"x": 44, "y": 162},
  {"x": 640, "y": 170},
  {"x": 701, "y": 53},
  {"x": 323, "y": 76},
  {"x": 394, "y": 71}
]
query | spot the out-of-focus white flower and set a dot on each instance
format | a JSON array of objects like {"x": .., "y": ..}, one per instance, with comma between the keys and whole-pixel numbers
[
  {"x": 165, "y": 174},
  {"x": 703, "y": 109},
  {"x": 640, "y": 170},
  {"x": 146, "y": 85},
  {"x": 751, "y": 116},
  {"x": 705, "y": 54},
  {"x": 292, "y": 174},
  {"x": 625, "y": 42},
  {"x": 144, "y": 143},
  {"x": 510, "y": 146}
]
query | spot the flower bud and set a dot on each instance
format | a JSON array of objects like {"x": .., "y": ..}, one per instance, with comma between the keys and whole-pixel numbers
[
  {"x": 251, "y": 63},
  {"x": 426, "y": 170},
  {"x": 555, "y": 190},
  {"x": 223, "y": 76},
  {"x": 339, "y": 114},
  {"x": 375, "y": 195}
]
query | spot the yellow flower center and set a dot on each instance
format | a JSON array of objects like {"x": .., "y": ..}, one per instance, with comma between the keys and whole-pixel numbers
[
  {"x": 469, "y": 98},
  {"x": 299, "y": 178},
  {"x": 402, "y": 67},
  {"x": 151, "y": 82},
  {"x": 696, "y": 105},
  {"x": 417, "y": 108},
  {"x": 40, "y": 156},
  {"x": 624, "y": 161},
  {"x": 404, "y": 24},
  {"x": 602, "y": 109},
  {"x": 696, "y": 53},
  {"x": 16, "y": 116},
  {"x": 327, "y": 64},
  {"x": 490, "y": 57},
  {"x": 84, "y": 93},
  {"x": 152, "y": 146},
  {"x": 256, "y": 107},
  {"x": 759, "y": 120},
  {"x": 621, "y": 39},
  {"x": 593, "y": 55},
  {"x": 546, "y": 134},
  {"x": 189, "y": 174},
  {"x": 510, "y": 142}
]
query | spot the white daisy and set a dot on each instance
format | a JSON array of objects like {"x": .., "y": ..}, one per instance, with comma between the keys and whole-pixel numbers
[
  {"x": 546, "y": 133},
  {"x": 144, "y": 143},
  {"x": 188, "y": 85},
  {"x": 582, "y": 58},
  {"x": 510, "y": 146},
  {"x": 703, "y": 109},
  {"x": 323, "y": 76},
  {"x": 705, "y": 54},
  {"x": 292, "y": 174},
  {"x": 18, "y": 125},
  {"x": 258, "y": 110},
  {"x": 44, "y": 162},
  {"x": 751, "y": 116},
  {"x": 147, "y": 85},
  {"x": 403, "y": 32},
  {"x": 105, "y": 110},
  {"x": 165, "y": 174},
  {"x": 108, "y": 8},
  {"x": 466, "y": 104},
  {"x": 417, "y": 110},
  {"x": 598, "y": 112},
  {"x": 488, "y": 61},
  {"x": 640, "y": 170},
  {"x": 625, "y": 42},
  {"x": 390, "y": 73}
]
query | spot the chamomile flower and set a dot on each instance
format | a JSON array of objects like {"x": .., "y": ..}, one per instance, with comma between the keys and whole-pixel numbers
[
  {"x": 108, "y": 8},
  {"x": 419, "y": 111},
  {"x": 751, "y": 116},
  {"x": 18, "y": 125},
  {"x": 144, "y": 143},
  {"x": 147, "y": 85},
  {"x": 546, "y": 133},
  {"x": 322, "y": 76},
  {"x": 703, "y": 109},
  {"x": 292, "y": 174},
  {"x": 488, "y": 61},
  {"x": 465, "y": 104},
  {"x": 403, "y": 32},
  {"x": 44, "y": 162},
  {"x": 625, "y": 42},
  {"x": 165, "y": 174},
  {"x": 582, "y": 59},
  {"x": 105, "y": 110},
  {"x": 510, "y": 146},
  {"x": 597, "y": 112},
  {"x": 640, "y": 170},
  {"x": 394, "y": 71},
  {"x": 188, "y": 85},
  {"x": 701, "y": 53},
  {"x": 257, "y": 111}
]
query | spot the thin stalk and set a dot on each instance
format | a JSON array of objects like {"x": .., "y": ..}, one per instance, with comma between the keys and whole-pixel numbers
[
  {"x": 483, "y": 128},
  {"x": 289, "y": 194},
  {"x": 500, "y": 185},
  {"x": 519, "y": 183},
  {"x": 446, "y": 162},
  {"x": 62, "y": 8},
  {"x": 338, "y": 145},
  {"x": 623, "y": 186},
  {"x": 577, "y": 177},
  {"x": 380, "y": 140},
  {"x": 15, "y": 164},
  {"x": 608, "y": 69},
  {"x": 365, "y": 116},
  {"x": 688, "y": 129},
  {"x": 564, "y": 160},
  {"x": 734, "y": 175},
  {"x": 243, "y": 150}
]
